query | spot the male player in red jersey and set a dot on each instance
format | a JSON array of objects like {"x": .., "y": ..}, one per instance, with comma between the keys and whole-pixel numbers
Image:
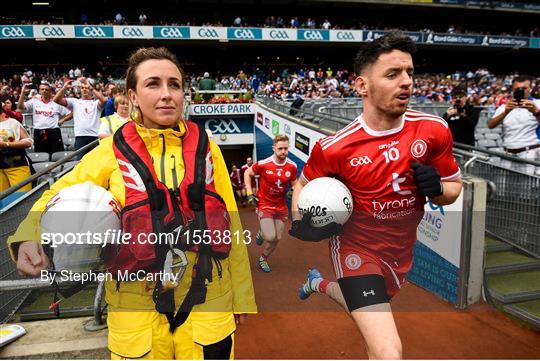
[
  {"x": 249, "y": 163},
  {"x": 238, "y": 184},
  {"x": 391, "y": 158},
  {"x": 276, "y": 173}
]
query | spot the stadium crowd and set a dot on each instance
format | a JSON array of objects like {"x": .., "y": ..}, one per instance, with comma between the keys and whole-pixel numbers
[
  {"x": 291, "y": 22},
  {"x": 483, "y": 87}
]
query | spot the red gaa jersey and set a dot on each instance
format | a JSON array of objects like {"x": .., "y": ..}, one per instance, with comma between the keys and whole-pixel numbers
[
  {"x": 235, "y": 179},
  {"x": 242, "y": 171},
  {"x": 375, "y": 166},
  {"x": 274, "y": 180}
]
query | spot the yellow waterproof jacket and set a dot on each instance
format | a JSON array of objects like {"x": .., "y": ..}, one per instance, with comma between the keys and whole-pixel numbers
[{"x": 232, "y": 292}]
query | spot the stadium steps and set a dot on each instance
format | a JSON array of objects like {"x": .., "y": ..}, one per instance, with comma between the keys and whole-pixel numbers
[
  {"x": 513, "y": 287},
  {"x": 527, "y": 311},
  {"x": 493, "y": 245},
  {"x": 513, "y": 281},
  {"x": 509, "y": 261}
]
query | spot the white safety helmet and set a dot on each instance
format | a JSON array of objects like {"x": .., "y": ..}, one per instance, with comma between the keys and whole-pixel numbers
[{"x": 77, "y": 223}]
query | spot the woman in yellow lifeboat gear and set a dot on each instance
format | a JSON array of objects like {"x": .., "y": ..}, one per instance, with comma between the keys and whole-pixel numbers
[{"x": 136, "y": 329}]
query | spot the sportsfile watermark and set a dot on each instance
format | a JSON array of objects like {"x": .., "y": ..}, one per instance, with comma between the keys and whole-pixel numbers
[
  {"x": 100, "y": 228},
  {"x": 117, "y": 237}
]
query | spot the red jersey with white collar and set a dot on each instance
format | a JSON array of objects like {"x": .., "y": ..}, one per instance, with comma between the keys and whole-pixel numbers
[
  {"x": 242, "y": 171},
  {"x": 274, "y": 180},
  {"x": 375, "y": 166},
  {"x": 235, "y": 179}
]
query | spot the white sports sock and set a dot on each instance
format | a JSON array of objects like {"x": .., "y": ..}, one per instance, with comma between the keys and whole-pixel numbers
[{"x": 315, "y": 284}]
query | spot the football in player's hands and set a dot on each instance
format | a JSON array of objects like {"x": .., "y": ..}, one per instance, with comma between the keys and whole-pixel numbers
[
  {"x": 427, "y": 179},
  {"x": 305, "y": 231}
]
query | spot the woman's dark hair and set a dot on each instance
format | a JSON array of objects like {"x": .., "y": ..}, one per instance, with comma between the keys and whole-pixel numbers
[
  {"x": 143, "y": 54},
  {"x": 370, "y": 52}
]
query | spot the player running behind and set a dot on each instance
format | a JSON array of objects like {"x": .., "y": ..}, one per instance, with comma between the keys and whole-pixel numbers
[
  {"x": 249, "y": 163},
  {"x": 276, "y": 173},
  {"x": 390, "y": 158},
  {"x": 238, "y": 185}
]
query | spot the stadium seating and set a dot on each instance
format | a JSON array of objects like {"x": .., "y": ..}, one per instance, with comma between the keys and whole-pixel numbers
[
  {"x": 46, "y": 165},
  {"x": 59, "y": 155},
  {"x": 38, "y": 157}
]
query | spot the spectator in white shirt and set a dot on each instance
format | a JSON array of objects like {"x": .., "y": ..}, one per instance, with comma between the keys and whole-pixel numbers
[
  {"x": 520, "y": 119},
  {"x": 86, "y": 112},
  {"x": 326, "y": 25},
  {"x": 47, "y": 116}
]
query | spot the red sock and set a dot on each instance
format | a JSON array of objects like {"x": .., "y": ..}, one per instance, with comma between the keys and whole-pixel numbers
[
  {"x": 264, "y": 257},
  {"x": 323, "y": 286}
]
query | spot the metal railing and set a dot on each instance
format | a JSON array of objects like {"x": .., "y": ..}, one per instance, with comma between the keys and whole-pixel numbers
[
  {"x": 11, "y": 217},
  {"x": 318, "y": 120},
  {"x": 14, "y": 290},
  {"x": 513, "y": 207},
  {"x": 351, "y": 112}
]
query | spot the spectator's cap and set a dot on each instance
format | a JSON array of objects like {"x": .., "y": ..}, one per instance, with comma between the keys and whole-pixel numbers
[
  {"x": 459, "y": 90},
  {"x": 206, "y": 74}
]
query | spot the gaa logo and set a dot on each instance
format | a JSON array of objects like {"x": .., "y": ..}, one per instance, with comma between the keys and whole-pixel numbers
[
  {"x": 53, "y": 31},
  {"x": 363, "y": 160},
  {"x": 13, "y": 32},
  {"x": 260, "y": 118},
  {"x": 95, "y": 32},
  {"x": 313, "y": 35},
  {"x": 208, "y": 33},
  {"x": 418, "y": 148},
  {"x": 369, "y": 36},
  {"x": 279, "y": 34},
  {"x": 353, "y": 261},
  {"x": 243, "y": 34},
  {"x": 345, "y": 35},
  {"x": 222, "y": 126},
  {"x": 171, "y": 33},
  {"x": 132, "y": 32}
]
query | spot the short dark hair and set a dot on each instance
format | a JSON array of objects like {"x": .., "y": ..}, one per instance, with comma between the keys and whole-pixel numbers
[
  {"x": 370, "y": 52},
  {"x": 521, "y": 79}
]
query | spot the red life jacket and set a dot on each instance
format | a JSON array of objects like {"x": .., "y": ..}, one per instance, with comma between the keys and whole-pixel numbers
[{"x": 153, "y": 208}]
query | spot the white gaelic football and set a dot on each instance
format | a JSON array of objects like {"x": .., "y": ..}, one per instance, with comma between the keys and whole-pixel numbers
[
  {"x": 77, "y": 222},
  {"x": 327, "y": 199}
]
